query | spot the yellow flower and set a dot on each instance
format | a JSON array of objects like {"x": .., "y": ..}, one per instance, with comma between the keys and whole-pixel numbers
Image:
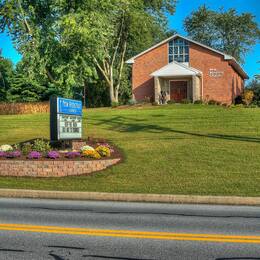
[
  {"x": 91, "y": 154},
  {"x": 104, "y": 151}
]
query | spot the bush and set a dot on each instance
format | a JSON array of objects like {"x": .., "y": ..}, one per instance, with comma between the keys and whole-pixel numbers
[
  {"x": 239, "y": 105},
  {"x": 186, "y": 101},
  {"x": 26, "y": 148},
  {"x": 198, "y": 102},
  {"x": 14, "y": 154},
  {"x": 53, "y": 155},
  {"x": 72, "y": 155},
  {"x": 6, "y": 148},
  {"x": 41, "y": 146},
  {"x": 91, "y": 154},
  {"x": 132, "y": 102},
  {"x": 24, "y": 108},
  {"x": 213, "y": 102},
  {"x": 86, "y": 148},
  {"x": 34, "y": 155},
  {"x": 171, "y": 102},
  {"x": 114, "y": 104},
  {"x": 106, "y": 145},
  {"x": 2, "y": 154},
  {"x": 248, "y": 97},
  {"x": 238, "y": 100},
  {"x": 104, "y": 151}
]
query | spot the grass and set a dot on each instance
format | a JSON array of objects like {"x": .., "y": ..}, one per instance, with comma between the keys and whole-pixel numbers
[{"x": 173, "y": 149}]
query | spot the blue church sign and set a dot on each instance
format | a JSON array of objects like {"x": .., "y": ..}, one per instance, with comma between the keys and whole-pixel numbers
[
  {"x": 65, "y": 119},
  {"x": 69, "y": 106}
]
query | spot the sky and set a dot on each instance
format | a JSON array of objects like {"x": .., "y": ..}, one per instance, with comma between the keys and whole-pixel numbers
[{"x": 183, "y": 9}]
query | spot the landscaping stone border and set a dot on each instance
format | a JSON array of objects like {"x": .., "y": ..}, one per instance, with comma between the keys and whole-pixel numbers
[{"x": 51, "y": 168}]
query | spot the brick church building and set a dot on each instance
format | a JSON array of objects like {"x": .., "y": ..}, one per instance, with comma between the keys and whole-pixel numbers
[{"x": 180, "y": 68}]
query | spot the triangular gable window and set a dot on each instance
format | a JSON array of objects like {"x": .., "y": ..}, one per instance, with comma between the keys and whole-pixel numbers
[{"x": 178, "y": 50}]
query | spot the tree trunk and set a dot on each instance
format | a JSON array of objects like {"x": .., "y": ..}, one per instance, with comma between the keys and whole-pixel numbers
[{"x": 84, "y": 94}]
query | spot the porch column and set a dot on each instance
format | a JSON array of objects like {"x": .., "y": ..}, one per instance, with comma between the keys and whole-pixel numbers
[
  {"x": 157, "y": 89},
  {"x": 195, "y": 88}
]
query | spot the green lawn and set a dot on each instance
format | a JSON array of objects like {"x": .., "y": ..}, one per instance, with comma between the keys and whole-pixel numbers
[{"x": 175, "y": 149}]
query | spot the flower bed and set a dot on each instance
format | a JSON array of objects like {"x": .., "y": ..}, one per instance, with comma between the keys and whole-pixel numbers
[{"x": 37, "y": 158}]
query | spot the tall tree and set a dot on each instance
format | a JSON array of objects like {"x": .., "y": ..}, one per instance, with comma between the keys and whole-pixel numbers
[
  {"x": 227, "y": 31},
  {"x": 6, "y": 74},
  {"x": 73, "y": 42}
]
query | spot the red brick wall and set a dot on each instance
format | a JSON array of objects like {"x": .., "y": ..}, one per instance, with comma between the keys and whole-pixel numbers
[
  {"x": 223, "y": 89},
  {"x": 142, "y": 82},
  {"x": 50, "y": 168}
]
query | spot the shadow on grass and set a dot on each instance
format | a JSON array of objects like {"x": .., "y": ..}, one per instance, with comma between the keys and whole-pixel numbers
[{"x": 125, "y": 124}]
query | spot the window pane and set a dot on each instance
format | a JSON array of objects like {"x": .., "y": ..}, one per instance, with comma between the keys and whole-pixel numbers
[
  {"x": 186, "y": 49},
  {"x": 171, "y": 43},
  {"x": 170, "y": 58},
  {"x": 175, "y": 50},
  {"x": 170, "y": 50},
  {"x": 181, "y": 49},
  {"x": 186, "y": 58}
]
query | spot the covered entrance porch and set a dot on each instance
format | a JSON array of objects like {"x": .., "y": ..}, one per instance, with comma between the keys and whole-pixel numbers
[{"x": 177, "y": 82}]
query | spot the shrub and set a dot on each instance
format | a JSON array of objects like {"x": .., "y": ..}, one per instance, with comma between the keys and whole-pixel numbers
[
  {"x": 24, "y": 108},
  {"x": 41, "y": 146},
  {"x": 6, "y": 148},
  {"x": 239, "y": 105},
  {"x": 86, "y": 148},
  {"x": 91, "y": 154},
  {"x": 248, "y": 97},
  {"x": 238, "y": 100},
  {"x": 132, "y": 101},
  {"x": 2, "y": 154},
  {"x": 212, "y": 102},
  {"x": 114, "y": 104},
  {"x": 53, "y": 155},
  {"x": 26, "y": 148},
  {"x": 34, "y": 155},
  {"x": 104, "y": 151},
  {"x": 197, "y": 102},
  {"x": 185, "y": 101},
  {"x": 13, "y": 154},
  {"x": 171, "y": 102},
  {"x": 106, "y": 145},
  {"x": 72, "y": 155}
]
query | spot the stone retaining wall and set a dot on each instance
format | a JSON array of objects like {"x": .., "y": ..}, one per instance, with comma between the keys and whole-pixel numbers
[{"x": 51, "y": 168}]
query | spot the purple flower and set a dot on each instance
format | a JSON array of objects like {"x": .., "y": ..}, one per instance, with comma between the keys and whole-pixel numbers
[
  {"x": 72, "y": 155},
  {"x": 2, "y": 154},
  {"x": 34, "y": 155},
  {"x": 14, "y": 154},
  {"x": 53, "y": 155}
]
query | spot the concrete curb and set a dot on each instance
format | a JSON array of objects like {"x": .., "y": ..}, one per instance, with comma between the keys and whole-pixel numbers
[{"x": 103, "y": 196}]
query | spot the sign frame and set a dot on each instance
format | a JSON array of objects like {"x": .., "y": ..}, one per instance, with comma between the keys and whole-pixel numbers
[{"x": 60, "y": 107}]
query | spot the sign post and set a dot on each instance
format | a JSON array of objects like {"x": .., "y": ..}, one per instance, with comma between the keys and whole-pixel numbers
[{"x": 65, "y": 119}]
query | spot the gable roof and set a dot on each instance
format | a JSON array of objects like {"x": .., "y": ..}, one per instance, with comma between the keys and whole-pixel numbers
[
  {"x": 234, "y": 63},
  {"x": 175, "y": 69}
]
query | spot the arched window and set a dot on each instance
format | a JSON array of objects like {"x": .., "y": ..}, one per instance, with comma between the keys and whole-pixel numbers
[{"x": 178, "y": 50}]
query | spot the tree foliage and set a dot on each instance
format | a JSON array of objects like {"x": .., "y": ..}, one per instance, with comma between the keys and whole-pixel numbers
[
  {"x": 70, "y": 44},
  {"x": 227, "y": 31},
  {"x": 6, "y": 73}
]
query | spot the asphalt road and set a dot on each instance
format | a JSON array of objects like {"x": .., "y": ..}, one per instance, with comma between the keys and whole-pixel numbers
[{"x": 58, "y": 229}]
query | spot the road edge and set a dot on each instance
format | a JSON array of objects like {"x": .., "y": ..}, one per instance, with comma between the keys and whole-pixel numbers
[{"x": 130, "y": 197}]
